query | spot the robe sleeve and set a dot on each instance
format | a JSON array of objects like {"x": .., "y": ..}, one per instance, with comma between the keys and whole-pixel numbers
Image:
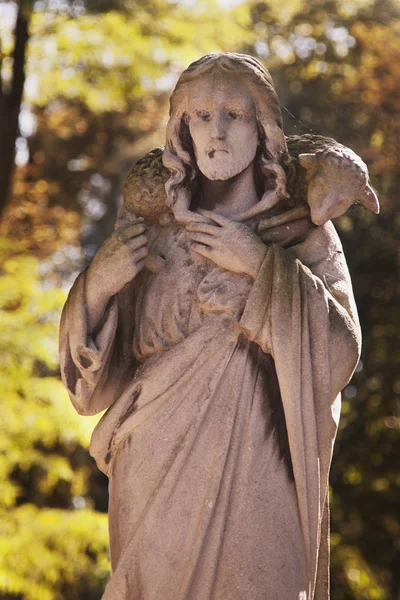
[
  {"x": 301, "y": 310},
  {"x": 313, "y": 274},
  {"x": 96, "y": 365}
]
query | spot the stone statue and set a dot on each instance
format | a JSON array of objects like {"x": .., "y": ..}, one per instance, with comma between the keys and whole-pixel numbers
[{"x": 217, "y": 325}]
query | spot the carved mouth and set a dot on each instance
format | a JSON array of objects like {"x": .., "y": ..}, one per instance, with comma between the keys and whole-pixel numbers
[{"x": 212, "y": 152}]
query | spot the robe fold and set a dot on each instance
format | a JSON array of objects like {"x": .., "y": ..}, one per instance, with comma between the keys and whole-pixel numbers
[{"x": 224, "y": 399}]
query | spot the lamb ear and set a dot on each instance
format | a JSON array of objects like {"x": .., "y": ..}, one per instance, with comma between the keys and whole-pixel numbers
[
  {"x": 308, "y": 161},
  {"x": 369, "y": 199}
]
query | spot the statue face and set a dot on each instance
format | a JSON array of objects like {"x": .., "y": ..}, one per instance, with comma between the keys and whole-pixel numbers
[{"x": 223, "y": 125}]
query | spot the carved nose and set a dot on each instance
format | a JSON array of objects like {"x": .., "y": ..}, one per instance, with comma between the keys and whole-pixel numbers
[{"x": 217, "y": 130}]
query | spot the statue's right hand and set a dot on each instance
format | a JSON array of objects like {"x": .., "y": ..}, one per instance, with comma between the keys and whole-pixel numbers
[{"x": 119, "y": 259}]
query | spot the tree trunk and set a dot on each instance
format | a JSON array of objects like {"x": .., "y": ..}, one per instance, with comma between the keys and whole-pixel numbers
[{"x": 10, "y": 105}]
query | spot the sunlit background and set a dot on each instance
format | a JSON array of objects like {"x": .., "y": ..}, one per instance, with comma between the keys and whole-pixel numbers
[{"x": 97, "y": 78}]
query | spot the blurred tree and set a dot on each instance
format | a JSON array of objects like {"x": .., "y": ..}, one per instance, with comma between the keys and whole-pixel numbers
[
  {"x": 10, "y": 101},
  {"x": 53, "y": 542}
]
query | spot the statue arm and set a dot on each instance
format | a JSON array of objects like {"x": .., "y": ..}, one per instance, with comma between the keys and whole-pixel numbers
[
  {"x": 308, "y": 287},
  {"x": 96, "y": 362},
  {"x": 327, "y": 274}
]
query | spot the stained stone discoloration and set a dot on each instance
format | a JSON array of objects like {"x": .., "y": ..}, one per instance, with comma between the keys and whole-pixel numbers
[
  {"x": 218, "y": 326},
  {"x": 132, "y": 407}
]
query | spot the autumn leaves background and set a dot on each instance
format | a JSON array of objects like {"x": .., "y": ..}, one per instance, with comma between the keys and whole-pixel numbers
[{"x": 84, "y": 90}]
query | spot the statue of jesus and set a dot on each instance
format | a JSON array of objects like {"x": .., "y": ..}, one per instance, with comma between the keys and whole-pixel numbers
[{"x": 218, "y": 326}]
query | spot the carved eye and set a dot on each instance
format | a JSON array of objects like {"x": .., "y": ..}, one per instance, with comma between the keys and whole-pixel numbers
[
  {"x": 204, "y": 115},
  {"x": 233, "y": 115}
]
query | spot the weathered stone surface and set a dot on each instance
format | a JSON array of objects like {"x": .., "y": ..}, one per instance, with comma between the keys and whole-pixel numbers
[{"x": 218, "y": 326}]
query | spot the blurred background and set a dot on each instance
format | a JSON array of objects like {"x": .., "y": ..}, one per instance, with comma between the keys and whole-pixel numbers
[{"x": 84, "y": 92}]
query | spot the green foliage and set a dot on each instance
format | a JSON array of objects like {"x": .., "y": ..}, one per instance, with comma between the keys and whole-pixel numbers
[
  {"x": 53, "y": 554},
  {"x": 356, "y": 576},
  {"x": 43, "y": 460},
  {"x": 109, "y": 60}
]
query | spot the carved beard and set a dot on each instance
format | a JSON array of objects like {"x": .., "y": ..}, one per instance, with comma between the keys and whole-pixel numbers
[{"x": 222, "y": 166}]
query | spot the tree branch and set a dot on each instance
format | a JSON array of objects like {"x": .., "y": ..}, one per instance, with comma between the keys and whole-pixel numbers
[
  {"x": 10, "y": 106},
  {"x": 1, "y": 80},
  {"x": 19, "y": 53}
]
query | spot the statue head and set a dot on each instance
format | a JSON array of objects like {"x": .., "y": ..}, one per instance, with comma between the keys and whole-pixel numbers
[{"x": 251, "y": 131}]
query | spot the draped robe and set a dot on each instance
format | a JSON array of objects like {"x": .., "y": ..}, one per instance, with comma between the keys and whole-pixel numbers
[{"x": 223, "y": 397}]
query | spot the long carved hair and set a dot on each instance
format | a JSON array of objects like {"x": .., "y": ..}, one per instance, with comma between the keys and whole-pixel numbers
[{"x": 178, "y": 156}]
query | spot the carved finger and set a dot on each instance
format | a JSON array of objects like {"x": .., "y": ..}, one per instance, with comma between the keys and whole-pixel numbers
[
  {"x": 140, "y": 253},
  {"x": 130, "y": 231},
  {"x": 186, "y": 217},
  {"x": 215, "y": 217},
  {"x": 286, "y": 233},
  {"x": 203, "y": 238},
  {"x": 293, "y": 240},
  {"x": 291, "y": 215},
  {"x": 203, "y": 228},
  {"x": 205, "y": 251},
  {"x": 136, "y": 242},
  {"x": 126, "y": 217},
  {"x": 130, "y": 223}
]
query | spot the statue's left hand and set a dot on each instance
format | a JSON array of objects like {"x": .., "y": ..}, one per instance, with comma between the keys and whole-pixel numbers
[
  {"x": 229, "y": 244},
  {"x": 286, "y": 229}
]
